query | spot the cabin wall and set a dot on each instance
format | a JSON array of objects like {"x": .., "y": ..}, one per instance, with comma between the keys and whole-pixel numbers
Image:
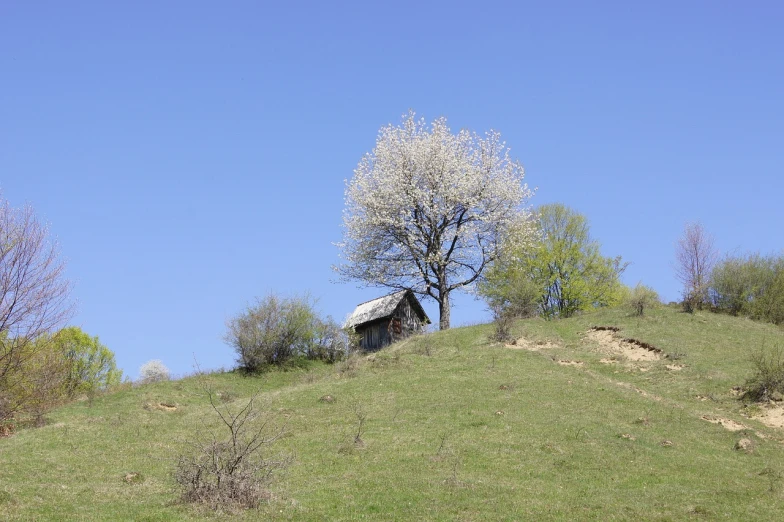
[
  {"x": 410, "y": 321},
  {"x": 375, "y": 335},
  {"x": 403, "y": 322}
]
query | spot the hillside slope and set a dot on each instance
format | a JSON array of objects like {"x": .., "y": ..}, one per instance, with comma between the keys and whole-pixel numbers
[{"x": 565, "y": 424}]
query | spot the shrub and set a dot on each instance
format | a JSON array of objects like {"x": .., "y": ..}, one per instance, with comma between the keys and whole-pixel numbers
[
  {"x": 330, "y": 343},
  {"x": 768, "y": 377},
  {"x": 736, "y": 282},
  {"x": 153, "y": 371},
  {"x": 510, "y": 297},
  {"x": 641, "y": 298},
  {"x": 770, "y": 305},
  {"x": 752, "y": 286},
  {"x": 272, "y": 331},
  {"x": 231, "y": 472}
]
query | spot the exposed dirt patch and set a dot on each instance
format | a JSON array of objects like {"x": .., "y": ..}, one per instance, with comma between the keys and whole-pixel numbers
[
  {"x": 675, "y": 367},
  {"x": 563, "y": 362},
  {"x": 727, "y": 424},
  {"x": 772, "y": 416},
  {"x": 638, "y": 390},
  {"x": 605, "y": 329},
  {"x": 534, "y": 346},
  {"x": 7, "y": 429},
  {"x": 631, "y": 349},
  {"x": 133, "y": 478},
  {"x": 609, "y": 361},
  {"x": 162, "y": 406}
]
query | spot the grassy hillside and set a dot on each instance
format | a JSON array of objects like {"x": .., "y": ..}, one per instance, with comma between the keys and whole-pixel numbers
[{"x": 457, "y": 428}]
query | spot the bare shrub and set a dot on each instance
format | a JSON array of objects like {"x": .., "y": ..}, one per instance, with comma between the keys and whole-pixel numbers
[
  {"x": 350, "y": 366},
  {"x": 153, "y": 371},
  {"x": 503, "y": 320},
  {"x": 361, "y": 415},
  {"x": 227, "y": 468},
  {"x": 641, "y": 298},
  {"x": 768, "y": 377}
]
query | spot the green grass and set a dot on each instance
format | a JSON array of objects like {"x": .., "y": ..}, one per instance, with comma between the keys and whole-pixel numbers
[{"x": 472, "y": 431}]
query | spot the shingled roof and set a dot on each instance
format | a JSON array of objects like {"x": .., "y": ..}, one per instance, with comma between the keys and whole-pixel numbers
[{"x": 382, "y": 308}]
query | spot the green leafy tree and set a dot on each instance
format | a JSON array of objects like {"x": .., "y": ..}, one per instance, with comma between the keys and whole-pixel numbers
[
  {"x": 91, "y": 365},
  {"x": 565, "y": 266}
]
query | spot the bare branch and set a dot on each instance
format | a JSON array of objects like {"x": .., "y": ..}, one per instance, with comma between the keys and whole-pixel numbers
[
  {"x": 34, "y": 294},
  {"x": 695, "y": 256}
]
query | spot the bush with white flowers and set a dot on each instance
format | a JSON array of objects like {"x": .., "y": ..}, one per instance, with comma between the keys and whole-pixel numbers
[{"x": 153, "y": 371}]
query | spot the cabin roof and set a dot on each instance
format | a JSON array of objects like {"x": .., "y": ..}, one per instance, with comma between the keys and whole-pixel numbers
[{"x": 384, "y": 307}]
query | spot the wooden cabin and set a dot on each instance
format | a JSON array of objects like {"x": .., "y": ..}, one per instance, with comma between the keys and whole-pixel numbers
[{"x": 387, "y": 319}]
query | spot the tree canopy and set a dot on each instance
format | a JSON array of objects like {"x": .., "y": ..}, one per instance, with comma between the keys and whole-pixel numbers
[
  {"x": 426, "y": 208},
  {"x": 91, "y": 365},
  {"x": 564, "y": 265}
]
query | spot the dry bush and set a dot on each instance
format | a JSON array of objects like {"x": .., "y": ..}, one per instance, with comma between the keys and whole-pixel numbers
[
  {"x": 227, "y": 469},
  {"x": 503, "y": 320},
  {"x": 768, "y": 377},
  {"x": 350, "y": 366}
]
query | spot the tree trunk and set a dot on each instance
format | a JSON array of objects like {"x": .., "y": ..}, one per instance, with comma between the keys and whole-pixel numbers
[{"x": 443, "y": 311}]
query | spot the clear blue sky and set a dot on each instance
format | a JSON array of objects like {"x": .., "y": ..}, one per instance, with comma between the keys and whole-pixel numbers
[{"x": 190, "y": 156}]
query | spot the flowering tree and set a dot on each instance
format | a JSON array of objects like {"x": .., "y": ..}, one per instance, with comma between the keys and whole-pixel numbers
[{"x": 426, "y": 208}]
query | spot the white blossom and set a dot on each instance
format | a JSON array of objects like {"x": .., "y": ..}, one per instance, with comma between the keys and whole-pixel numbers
[
  {"x": 153, "y": 371},
  {"x": 426, "y": 208}
]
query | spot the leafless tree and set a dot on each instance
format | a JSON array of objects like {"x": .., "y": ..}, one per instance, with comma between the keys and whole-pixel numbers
[
  {"x": 695, "y": 256},
  {"x": 34, "y": 294}
]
